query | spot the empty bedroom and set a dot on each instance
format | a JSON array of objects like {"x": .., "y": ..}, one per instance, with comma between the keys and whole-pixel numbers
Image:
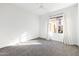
[{"x": 39, "y": 29}]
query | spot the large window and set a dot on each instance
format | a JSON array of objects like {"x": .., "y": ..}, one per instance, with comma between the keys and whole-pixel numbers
[{"x": 56, "y": 24}]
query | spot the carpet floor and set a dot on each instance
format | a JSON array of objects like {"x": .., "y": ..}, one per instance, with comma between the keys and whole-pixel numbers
[{"x": 39, "y": 47}]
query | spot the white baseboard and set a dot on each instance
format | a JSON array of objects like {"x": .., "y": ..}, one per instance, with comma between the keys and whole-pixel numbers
[{"x": 13, "y": 42}]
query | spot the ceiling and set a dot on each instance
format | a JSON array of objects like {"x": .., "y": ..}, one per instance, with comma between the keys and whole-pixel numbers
[{"x": 42, "y": 8}]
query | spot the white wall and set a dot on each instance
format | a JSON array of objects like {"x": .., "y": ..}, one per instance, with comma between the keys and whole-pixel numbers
[
  {"x": 70, "y": 18},
  {"x": 43, "y": 26},
  {"x": 78, "y": 26},
  {"x": 16, "y": 24}
]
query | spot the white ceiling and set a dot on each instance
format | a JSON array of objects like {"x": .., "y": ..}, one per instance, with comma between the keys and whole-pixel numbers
[{"x": 45, "y": 8}]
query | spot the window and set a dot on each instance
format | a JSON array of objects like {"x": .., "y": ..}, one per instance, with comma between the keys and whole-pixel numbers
[{"x": 56, "y": 24}]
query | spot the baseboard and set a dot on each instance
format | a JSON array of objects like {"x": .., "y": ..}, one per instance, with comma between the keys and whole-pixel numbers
[{"x": 13, "y": 42}]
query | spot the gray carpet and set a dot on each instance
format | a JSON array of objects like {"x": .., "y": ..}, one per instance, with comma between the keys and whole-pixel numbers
[{"x": 43, "y": 48}]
